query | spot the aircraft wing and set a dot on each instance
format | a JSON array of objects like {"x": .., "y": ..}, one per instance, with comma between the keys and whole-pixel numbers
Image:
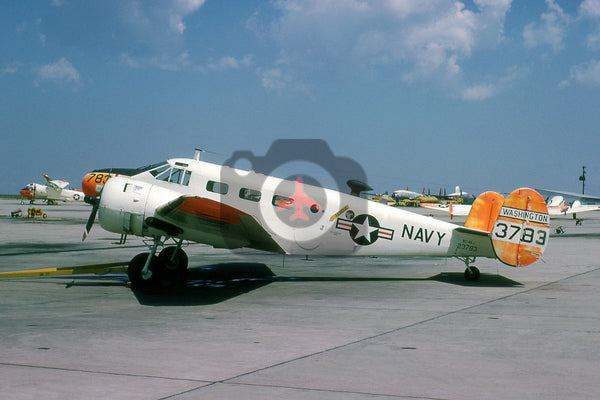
[
  {"x": 56, "y": 184},
  {"x": 217, "y": 224},
  {"x": 570, "y": 196}
]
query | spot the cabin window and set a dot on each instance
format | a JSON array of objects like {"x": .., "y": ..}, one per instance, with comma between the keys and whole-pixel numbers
[
  {"x": 249, "y": 194},
  {"x": 282, "y": 201},
  {"x": 217, "y": 187}
]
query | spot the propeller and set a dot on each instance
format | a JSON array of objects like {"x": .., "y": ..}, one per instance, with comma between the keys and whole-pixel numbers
[{"x": 95, "y": 202}]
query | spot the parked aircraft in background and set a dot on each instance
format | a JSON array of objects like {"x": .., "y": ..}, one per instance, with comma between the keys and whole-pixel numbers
[
  {"x": 464, "y": 197},
  {"x": 55, "y": 190},
  {"x": 454, "y": 210},
  {"x": 407, "y": 194},
  {"x": 570, "y": 204},
  {"x": 187, "y": 199}
]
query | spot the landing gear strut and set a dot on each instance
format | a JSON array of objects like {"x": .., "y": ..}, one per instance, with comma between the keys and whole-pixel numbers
[
  {"x": 169, "y": 267},
  {"x": 472, "y": 272}
]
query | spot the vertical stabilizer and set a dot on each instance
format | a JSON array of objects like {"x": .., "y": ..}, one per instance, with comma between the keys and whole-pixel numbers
[
  {"x": 484, "y": 211},
  {"x": 522, "y": 228}
]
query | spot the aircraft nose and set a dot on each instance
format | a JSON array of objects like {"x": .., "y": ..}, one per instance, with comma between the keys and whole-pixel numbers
[
  {"x": 26, "y": 193},
  {"x": 92, "y": 183}
]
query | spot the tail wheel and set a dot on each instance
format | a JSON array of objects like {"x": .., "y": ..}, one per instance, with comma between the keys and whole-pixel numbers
[
  {"x": 134, "y": 270},
  {"x": 174, "y": 262},
  {"x": 472, "y": 273}
]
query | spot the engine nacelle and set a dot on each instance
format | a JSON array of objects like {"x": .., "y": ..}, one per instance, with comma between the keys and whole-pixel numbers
[{"x": 125, "y": 204}]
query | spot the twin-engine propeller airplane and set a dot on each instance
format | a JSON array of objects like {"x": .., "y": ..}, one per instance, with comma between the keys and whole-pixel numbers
[
  {"x": 55, "y": 190},
  {"x": 188, "y": 199}
]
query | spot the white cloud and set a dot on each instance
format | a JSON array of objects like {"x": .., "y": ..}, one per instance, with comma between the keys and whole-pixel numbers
[
  {"x": 160, "y": 17},
  {"x": 127, "y": 59},
  {"x": 10, "y": 69},
  {"x": 590, "y": 8},
  {"x": 550, "y": 30},
  {"x": 485, "y": 91},
  {"x": 421, "y": 38},
  {"x": 62, "y": 70},
  {"x": 183, "y": 62},
  {"x": 226, "y": 63},
  {"x": 274, "y": 79},
  {"x": 585, "y": 74},
  {"x": 479, "y": 92}
]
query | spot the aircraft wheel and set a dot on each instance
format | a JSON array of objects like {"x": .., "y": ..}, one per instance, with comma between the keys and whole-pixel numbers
[
  {"x": 173, "y": 268},
  {"x": 135, "y": 267},
  {"x": 472, "y": 273}
]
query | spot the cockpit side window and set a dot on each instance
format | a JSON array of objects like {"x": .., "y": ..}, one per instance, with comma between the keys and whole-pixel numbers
[
  {"x": 186, "y": 178},
  {"x": 176, "y": 174}
]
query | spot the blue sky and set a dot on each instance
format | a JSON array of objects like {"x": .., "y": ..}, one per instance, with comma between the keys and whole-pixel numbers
[{"x": 487, "y": 94}]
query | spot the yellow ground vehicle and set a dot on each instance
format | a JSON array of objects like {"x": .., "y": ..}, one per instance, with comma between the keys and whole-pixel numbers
[{"x": 35, "y": 212}]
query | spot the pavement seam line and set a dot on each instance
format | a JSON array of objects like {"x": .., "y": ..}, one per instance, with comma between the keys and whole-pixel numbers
[
  {"x": 400, "y": 328},
  {"x": 84, "y": 371}
]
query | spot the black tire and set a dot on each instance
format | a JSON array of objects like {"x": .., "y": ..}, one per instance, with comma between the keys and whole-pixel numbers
[
  {"x": 472, "y": 273},
  {"x": 173, "y": 270},
  {"x": 134, "y": 271}
]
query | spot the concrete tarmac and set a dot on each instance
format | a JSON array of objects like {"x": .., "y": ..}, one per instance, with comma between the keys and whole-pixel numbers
[{"x": 258, "y": 326}]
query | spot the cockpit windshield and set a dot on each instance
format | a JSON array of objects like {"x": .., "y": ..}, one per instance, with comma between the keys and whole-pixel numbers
[{"x": 164, "y": 172}]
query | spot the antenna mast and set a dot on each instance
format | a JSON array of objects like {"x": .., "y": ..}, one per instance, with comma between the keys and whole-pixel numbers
[{"x": 582, "y": 179}]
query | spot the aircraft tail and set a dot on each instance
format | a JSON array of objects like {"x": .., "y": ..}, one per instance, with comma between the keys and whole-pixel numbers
[{"x": 519, "y": 225}]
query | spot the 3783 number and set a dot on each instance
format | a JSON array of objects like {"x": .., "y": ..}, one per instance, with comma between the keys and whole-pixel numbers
[
  {"x": 98, "y": 178},
  {"x": 527, "y": 235}
]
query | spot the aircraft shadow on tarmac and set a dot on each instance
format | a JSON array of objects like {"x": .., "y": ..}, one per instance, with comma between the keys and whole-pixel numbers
[
  {"x": 216, "y": 283},
  {"x": 212, "y": 284}
]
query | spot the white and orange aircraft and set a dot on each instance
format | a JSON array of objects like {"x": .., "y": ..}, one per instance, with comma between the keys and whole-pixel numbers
[
  {"x": 561, "y": 203},
  {"x": 55, "y": 190},
  {"x": 192, "y": 200}
]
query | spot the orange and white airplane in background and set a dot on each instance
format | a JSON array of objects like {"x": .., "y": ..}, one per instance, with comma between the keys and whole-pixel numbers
[
  {"x": 190, "y": 200},
  {"x": 55, "y": 190}
]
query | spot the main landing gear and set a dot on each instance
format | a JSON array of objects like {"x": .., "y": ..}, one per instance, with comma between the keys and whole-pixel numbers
[
  {"x": 472, "y": 272},
  {"x": 168, "y": 268}
]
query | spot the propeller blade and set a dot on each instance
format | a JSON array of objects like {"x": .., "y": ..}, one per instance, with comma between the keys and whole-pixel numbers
[
  {"x": 95, "y": 202},
  {"x": 91, "y": 219}
]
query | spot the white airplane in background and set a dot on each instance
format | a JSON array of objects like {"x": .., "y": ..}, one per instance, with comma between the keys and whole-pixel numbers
[
  {"x": 407, "y": 194},
  {"x": 562, "y": 203},
  {"x": 188, "y": 199},
  {"x": 458, "y": 193},
  {"x": 55, "y": 190},
  {"x": 454, "y": 210}
]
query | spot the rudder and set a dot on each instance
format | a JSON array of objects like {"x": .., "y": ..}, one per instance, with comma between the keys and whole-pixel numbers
[{"x": 521, "y": 230}]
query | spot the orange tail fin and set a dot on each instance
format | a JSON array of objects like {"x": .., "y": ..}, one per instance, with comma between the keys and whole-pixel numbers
[
  {"x": 484, "y": 211},
  {"x": 519, "y": 225},
  {"x": 522, "y": 228}
]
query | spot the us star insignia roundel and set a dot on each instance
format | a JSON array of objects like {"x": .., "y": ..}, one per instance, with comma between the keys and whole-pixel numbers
[{"x": 364, "y": 229}]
